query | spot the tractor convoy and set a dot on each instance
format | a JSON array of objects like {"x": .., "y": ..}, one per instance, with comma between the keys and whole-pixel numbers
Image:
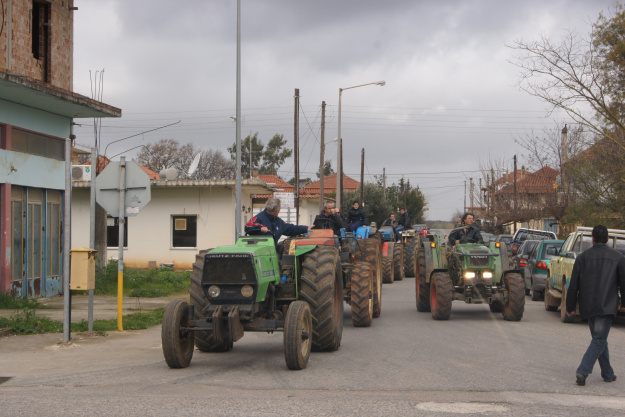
[{"x": 249, "y": 287}]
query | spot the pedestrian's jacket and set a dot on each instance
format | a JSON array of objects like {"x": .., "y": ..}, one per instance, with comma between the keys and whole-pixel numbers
[
  {"x": 357, "y": 215},
  {"x": 404, "y": 220},
  {"x": 466, "y": 234},
  {"x": 275, "y": 224},
  {"x": 596, "y": 274},
  {"x": 334, "y": 222}
]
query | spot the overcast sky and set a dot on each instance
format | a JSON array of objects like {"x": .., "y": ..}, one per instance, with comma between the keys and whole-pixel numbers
[{"x": 449, "y": 105}]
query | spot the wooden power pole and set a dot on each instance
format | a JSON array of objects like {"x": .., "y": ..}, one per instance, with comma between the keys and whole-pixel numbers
[
  {"x": 296, "y": 156},
  {"x": 323, "y": 153},
  {"x": 515, "y": 195},
  {"x": 362, "y": 176}
]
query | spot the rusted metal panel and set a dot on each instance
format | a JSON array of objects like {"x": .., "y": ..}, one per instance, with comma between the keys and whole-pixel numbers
[{"x": 53, "y": 286}]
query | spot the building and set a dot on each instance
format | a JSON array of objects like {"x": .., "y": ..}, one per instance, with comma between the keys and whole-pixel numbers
[
  {"x": 182, "y": 218},
  {"x": 37, "y": 108}
]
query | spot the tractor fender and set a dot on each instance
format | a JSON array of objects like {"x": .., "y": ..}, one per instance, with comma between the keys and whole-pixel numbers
[
  {"x": 303, "y": 249},
  {"x": 387, "y": 249},
  {"x": 428, "y": 278},
  {"x": 429, "y": 262}
]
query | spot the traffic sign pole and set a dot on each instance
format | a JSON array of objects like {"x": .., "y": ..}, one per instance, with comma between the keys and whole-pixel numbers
[{"x": 120, "y": 242}]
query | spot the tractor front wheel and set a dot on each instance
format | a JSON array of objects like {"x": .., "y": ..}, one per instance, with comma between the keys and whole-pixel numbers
[
  {"x": 410, "y": 258},
  {"x": 361, "y": 295},
  {"x": 398, "y": 261},
  {"x": 297, "y": 335},
  {"x": 441, "y": 296},
  {"x": 177, "y": 343},
  {"x": 422, "y": 289},
  {"x": 514, "y": 307},
  {"x": 388, "y": 273}
]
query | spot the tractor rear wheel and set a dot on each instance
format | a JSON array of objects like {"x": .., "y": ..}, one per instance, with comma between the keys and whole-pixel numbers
[
  {"x": 297, "y": 335},
  {"x": 361, "y": 295},
  {"x": 441, "y": 296},
  {"x": 205, "y": 340},
  {"x": 398, "y": 261},
  {"x": 322, "y": 288},
  {"x": 422, "y": 289},
  {"x": 514, "y": 307},
  {"x": 177, "y": 344},
  {"x": 370, "y": 251},
  {"x": 496, "y": 306},
  {"x": 388, "y": 272},
  {"x": 410, "y": 258}
]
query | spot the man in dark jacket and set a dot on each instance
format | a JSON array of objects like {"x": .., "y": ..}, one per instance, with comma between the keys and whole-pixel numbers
[
  {"x": 356, "y": 217},
  {"x": 329, "y": 219},
  {"x": 268, "y": 221},
  {"x": 403, "y": 223},
  {"x": 598, "y": 273},
  {"x": 468, "y": 233}
]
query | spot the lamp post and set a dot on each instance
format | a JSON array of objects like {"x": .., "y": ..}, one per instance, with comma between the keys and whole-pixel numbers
[{"x": 339, "y": 162}]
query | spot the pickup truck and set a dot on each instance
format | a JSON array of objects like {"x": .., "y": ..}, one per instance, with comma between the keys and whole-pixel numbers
[{"x": 561, "y": 267}]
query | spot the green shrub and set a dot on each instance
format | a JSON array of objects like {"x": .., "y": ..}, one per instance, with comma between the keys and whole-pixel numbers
[{"x": 142, "y": 283}]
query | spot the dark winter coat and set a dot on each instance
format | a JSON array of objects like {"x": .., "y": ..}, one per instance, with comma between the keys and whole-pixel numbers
[
  {"x": 275, "y": 224},
  {"x": 404, "y": 220},
  {"x": 357, "y": 215},
  {"x": 597, "y": 272},
  {"x": 334, "y": 222},
  {"x": 466, "y": 234}
]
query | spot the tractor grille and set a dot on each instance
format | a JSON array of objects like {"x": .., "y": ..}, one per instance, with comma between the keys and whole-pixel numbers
[
  {"x": 479, "y": 258},
  {"x": 229, "y": 268}
]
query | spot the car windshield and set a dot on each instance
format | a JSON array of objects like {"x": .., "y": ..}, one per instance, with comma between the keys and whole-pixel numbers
[
  {"x": 620, "y": 245},
  {"x": 550, "y": 250}
]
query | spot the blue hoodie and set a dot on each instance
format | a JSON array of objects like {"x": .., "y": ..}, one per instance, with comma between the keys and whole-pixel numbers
[{"x": 275, "y": 224}]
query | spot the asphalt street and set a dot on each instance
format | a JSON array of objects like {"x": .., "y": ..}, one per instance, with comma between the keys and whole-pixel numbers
[{"x": 404, "y": 364}]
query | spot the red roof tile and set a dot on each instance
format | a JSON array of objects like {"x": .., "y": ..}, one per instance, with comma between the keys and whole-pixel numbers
[{"x": 329, "y": 185}]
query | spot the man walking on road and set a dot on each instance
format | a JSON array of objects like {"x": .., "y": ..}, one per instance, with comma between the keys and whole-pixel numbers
[{"x": 597, "y": 273}]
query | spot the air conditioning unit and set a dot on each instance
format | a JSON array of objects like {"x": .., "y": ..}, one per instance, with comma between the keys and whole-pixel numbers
[{"x": 81, "y": 172}]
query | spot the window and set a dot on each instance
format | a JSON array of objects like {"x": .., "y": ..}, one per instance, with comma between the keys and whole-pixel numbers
[
  {"x": 112, "y": 232},
  {"x": 184, "y": 233},
  {"x": 35, "y": 232},
  {"x": 53, "y": 235},
  {"x": 34, "y": 144}
]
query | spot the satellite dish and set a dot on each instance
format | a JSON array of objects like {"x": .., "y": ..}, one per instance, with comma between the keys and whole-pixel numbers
[
  {"x": 171, "y": 174},
  {"x": 195, "y": 163}
]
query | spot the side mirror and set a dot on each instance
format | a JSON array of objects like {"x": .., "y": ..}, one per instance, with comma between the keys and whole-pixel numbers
[{"x": 571, "y": 255}]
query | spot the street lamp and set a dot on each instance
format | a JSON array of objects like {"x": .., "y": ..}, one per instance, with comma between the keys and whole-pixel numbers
[{"x": 339, "y": 162}]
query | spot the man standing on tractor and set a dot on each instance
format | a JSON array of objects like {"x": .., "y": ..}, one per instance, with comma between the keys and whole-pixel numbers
[
  {"x": 329, "y": 219},
  {"x": 268, "y": 222},
  {"x": 403, "y": 223},
  {"x": 467, "y": 233},
  {"x": 356, "y": 217}
]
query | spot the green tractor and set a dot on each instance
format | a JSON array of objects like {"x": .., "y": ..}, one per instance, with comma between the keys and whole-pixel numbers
[
  {"x": 243, "y": 287},
  {"x": 471, "y": 272}
]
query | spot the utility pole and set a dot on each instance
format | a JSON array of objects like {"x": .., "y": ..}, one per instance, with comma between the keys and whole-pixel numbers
[
  {"x": 492, "y": 191},
  {"x": 515, "y": 194},
  {"x": 471, "y": 193},
  {"x": 481, "y": 200},
  {"x": 237, "y": 206},
  {"x": 250, "y": 154},
  {"x": 341, "y": 175},
  {"x": 464, "y": 208},
  {"x": 362, "y": 176},
  {"x": 384, "y": 181},
  {"x": 296, "y": 140},
  {"x": 322, "y": 152}
]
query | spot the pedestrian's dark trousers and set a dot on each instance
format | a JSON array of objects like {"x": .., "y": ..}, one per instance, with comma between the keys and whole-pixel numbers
[{"x": 598, "y": 349}]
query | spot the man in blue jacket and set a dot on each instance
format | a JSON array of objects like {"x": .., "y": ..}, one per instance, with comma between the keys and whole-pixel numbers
[
  {"x": 268, "y": 221},
  {"x": 597, "y": 274}
]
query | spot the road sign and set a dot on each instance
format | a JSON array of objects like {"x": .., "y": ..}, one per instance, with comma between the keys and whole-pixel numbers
[
  {"x": 137, "y": 193},
  {"x": 287, "y": 200}
]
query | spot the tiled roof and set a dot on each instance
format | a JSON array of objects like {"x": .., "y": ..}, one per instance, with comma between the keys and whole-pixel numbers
[
  {"x": 329, "y": 185},
  {"x": 538, "y": 182},
  {"x": 278, "y": 183}
]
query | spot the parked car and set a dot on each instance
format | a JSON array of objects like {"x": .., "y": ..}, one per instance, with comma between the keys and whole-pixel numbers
[
  {"x": 522, "y": 235},
  {"x": 519, "y": 260},
  {"x": 561, "y": 267},
  {"x": 488, "y": 236},
  {"x": 538, "y": 265},
  {"x": 507, "y": 239}
]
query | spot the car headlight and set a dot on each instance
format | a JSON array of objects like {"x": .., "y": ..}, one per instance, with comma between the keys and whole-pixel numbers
[
  {"x": 247, "y": 291},
  {"x": 487, "y": 275},
  {"x": 214, "y": 291},
  {"x": 469, "y": 275}
]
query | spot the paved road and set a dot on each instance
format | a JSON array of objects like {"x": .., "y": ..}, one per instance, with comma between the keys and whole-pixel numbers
[{"x": 405, "y": 364}]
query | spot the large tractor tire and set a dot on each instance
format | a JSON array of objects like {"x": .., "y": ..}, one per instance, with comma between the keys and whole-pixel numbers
[
  {"x": 297, "y": 332},
  {"x": 514, "y": 307},
  {"x": 322, "y": 288},
  {"x": 398, "y": 261},
  {"x": 410, "y": 258},
  {"x": 361, "y": 295},
  {"x": 551, "y": 303},
  {"x": 422, "y": 289},
  {"x": 205, "y": 341},
  {"x": 388, "y": 271},
  {"x": 441, "y": 295},
  {"x": 371, "y": 252},
  {"x": 563, "y": 316},
  {"x": 496, "y": 306},
  {"x": 177, "y": 344}
]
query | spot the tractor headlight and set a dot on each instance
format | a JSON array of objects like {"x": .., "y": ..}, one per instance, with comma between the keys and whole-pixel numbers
[
  {"x": 247, "y": 291},
  {"x": 487, "y": 275},
  {"x": 469, "y": 275},
  {"x": 214, "y": 291}
]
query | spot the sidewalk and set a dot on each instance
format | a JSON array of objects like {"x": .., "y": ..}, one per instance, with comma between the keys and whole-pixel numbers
[{"x": 104, "y": 306}]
